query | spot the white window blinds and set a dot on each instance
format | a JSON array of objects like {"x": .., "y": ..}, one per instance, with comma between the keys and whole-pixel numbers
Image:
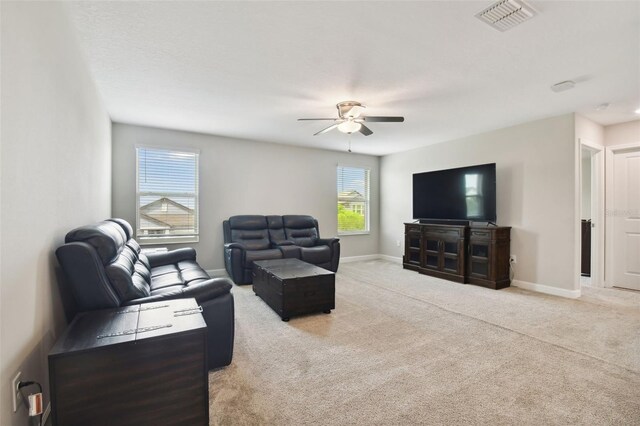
[
  {"x": 167, "y": 195},
  {"x": 353, "y": 200}
]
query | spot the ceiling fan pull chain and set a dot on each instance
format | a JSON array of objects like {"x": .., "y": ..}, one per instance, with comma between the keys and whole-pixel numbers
[{"x": 349, "y": 142}]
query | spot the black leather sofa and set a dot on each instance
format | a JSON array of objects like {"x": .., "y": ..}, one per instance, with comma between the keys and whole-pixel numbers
[
  {"x": 253, "y": 237},
  {"x": 104, "y": 268}
]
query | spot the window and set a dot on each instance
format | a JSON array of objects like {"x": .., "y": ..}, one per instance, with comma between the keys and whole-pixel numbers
[
  {"x": 167, "y": 196},
  {"x": 353, "y": 200}
]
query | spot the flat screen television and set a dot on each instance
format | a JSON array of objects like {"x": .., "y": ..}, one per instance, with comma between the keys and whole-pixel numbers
[{"x": 465, "y": 193}]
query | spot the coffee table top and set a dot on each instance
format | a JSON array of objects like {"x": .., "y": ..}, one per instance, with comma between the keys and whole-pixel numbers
[{"x": 291, "y": 268}]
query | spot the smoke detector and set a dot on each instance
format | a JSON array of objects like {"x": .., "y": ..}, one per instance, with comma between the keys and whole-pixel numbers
[
  {"x": 563, "y": 85},
  {"x": 506, "y": 14}
]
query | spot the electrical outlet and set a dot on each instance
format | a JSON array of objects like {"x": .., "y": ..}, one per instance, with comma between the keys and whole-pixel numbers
[
  {"x": 14, "y": 391},
  {"x": 513, "y": 259},
  {"x": 397, "y": 243}
]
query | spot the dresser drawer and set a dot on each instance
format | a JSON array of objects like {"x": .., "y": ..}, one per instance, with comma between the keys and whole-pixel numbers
[
  {"x": 412, "y": 228},
  {"x": 480, "y": 234},
  {"x": 444, "y": 232}
]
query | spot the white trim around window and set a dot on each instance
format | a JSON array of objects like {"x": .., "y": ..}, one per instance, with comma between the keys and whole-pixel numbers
[
  {"x": 353, "y": 200},
  {"x": 167, "y": 195}
]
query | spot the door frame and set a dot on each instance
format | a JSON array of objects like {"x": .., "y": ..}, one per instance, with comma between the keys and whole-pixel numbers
[
  {"x": 597, "y": 209},
  {"x": 609, "y": 154}
]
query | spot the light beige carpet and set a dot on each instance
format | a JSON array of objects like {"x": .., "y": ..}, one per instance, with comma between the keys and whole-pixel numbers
[{"x": 404, "y": 348}]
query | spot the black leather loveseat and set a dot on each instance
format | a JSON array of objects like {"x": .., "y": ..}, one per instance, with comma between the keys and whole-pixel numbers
[
  {"x": 105, "y": 269},
  {"x": 252, "y": 237}
]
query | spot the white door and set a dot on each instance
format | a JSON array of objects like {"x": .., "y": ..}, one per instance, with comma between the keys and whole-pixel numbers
[{"x": 626, "y": 219}]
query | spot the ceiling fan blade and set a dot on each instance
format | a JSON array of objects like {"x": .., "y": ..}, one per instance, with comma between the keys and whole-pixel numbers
[
  {"x": 365, "y": 130},
  {"x": 333, "y": 126},
  {"x": 383, "y": 119},
  {"x": 315, "y": 119}
]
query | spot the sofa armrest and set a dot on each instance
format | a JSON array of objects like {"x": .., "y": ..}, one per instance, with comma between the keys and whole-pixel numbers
[
  {"x": 327, "y": 241},
  {"x": 290, "y": 251},
  {"x": 171, "y": 257},
  {"x": 235, "y": 245},
  {"x": 202, "y": 292}
]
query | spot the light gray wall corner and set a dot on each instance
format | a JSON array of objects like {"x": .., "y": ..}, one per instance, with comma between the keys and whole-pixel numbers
[
  {"x": 622, "y": 133},
  {"x": 535, "y": 192},
  {"x": 56, "y": 174}
]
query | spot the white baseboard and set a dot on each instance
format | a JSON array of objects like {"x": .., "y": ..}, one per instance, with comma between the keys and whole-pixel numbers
[
  {"x": 46, "y": 414},
  {"x": 541, "y": 288},
  {"x": 350, "y": 259},
  {"x": 215, "y": 273}
]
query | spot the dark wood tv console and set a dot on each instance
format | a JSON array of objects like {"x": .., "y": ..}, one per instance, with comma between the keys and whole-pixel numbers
[{"x": 458, "y": 252}]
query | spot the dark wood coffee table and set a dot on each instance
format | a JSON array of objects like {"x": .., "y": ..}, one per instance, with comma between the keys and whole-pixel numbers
[{"x": 293, "y": 287}]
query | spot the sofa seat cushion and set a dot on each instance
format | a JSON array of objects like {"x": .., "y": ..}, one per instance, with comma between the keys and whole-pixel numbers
[
  {"x": 166, "y": 280},
  {"x": 196, "y": 282},
  {"x": 253, "y": 255},
  {"x": 315, "y": 255},
  {"x": 189, "y": 275},
  {"x": 168, "y": 289},
  {"x": 188, "y": 264},
  {"x": 164, "y": 269}
]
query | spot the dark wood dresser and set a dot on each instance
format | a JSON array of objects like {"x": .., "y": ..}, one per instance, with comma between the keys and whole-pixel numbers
[
  {"x": 466, "y": 254},
  {"x": 135, "y": 365}
]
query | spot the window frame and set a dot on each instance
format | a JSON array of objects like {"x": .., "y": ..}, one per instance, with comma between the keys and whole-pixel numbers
[
  {"x": 144, "y": 240},
  {"x": 367, "y": 202}
]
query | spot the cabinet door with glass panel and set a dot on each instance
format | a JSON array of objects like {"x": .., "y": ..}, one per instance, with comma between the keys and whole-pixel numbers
[
  {"x": 442, "y": 250},
  {"x": 413, "y": 245}
]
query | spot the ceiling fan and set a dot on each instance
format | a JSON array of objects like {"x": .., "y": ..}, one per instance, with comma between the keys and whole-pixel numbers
[{"x": 350, "y": 121}]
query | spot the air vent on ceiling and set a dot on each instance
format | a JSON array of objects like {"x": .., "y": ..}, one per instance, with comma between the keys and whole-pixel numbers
[{"x": 506, "y": 14}]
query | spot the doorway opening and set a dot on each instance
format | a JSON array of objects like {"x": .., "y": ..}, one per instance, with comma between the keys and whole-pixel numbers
[{"x": 591, "y": 214}]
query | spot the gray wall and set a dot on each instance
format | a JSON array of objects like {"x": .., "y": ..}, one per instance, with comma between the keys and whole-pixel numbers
[
  {"x": 623, "y": 133},
  {"x": 247, "y": 177},
  {"x": 56, "y": 175},
  {"x": 536, "y": 186}
]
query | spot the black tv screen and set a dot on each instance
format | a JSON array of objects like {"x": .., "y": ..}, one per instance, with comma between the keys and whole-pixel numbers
[{"x": 466, "y": 193}]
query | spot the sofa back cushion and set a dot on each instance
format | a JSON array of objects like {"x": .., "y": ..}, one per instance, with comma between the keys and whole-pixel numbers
[
  {"x": 276, "y": 229},
  {"x": 107, "y": 238},
  {"x": 250, "y": 230},
  {"x": 301, "y": 229},
  {"x": 126, "y": 268},
  {"x": 128, "y": 230},
  {"x": 130, "y": 273}
]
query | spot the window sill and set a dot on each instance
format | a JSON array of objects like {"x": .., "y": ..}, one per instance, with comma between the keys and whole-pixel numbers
[
  {"x": 148, "y": 241},
  {"x": 343, "y": 234}
]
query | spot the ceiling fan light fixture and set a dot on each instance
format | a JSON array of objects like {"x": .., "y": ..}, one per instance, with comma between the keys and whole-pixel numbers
[
  {"x": 354, "y": 112},
  {"x": 349, "y": 126},
  {"x": 350, "y": 121}
]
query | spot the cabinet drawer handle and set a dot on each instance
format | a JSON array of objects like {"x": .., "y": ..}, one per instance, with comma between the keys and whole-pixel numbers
[{"x": 480, "y": 234}]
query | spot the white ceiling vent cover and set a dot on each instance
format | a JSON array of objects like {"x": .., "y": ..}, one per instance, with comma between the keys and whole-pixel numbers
[{"x": 506, "y": 14}]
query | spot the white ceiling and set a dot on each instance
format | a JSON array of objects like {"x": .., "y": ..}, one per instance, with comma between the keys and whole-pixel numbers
[{"x": 250, "y": 69}]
